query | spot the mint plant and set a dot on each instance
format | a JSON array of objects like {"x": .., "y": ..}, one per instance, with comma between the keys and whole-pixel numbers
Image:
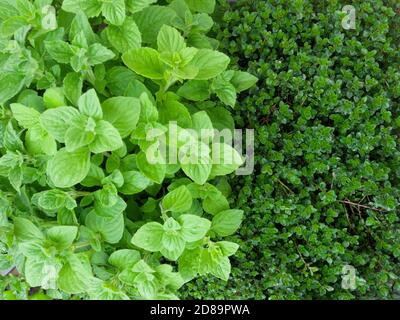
[{"x": 91, "y": 92}]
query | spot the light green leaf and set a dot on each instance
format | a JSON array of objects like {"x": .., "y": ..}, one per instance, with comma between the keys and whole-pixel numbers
[
  {"x": 99, "y": 54},
  {"x": 178, "y": 200},
  {"x": 225, "y": 91},
  {"x": 172, "y": 110},
  {"x": 41, "y": 273},
  {"x": 217, "y": 264},
  {"x": 10, "y": 85},
  {"x": 149, "y": 237},
  {"x": 225, "y": 159},
  {"x": 227, "y": 222},
  {"x": 89, "y": 105},
  {"x": 107, "y": 138},
  {"x": 215, "y": 203},
  {"x": 74, "y": 277},
  {"x": 138, "y": 5},
  {"x": 134, "y": 182},
  {"x": 39, "y": 141},
  {"x": 114, "y": 11},
  {"x": 26, "y": 117},
  {"x": 205, "y": 6},
  {"x": 221, "y": 118},
  {"x": 73, "y": 84},
  {"x": 63, "y": 236},
  {"x": 125, "y": 37},
  {"x": 195, "y": 90},
  {"x": 151, "y": 19},
  {"x": 189, "y": 263},
  {"x": 54, "y": 98},
  {"x": 59, "y": 50},
  {"x": 194, "y": 228},
  {"x": 243, "y": 81},
  {"x": 227, "y": 248},
  {"x": 210, "y": 63},
  {"x": 110, "y": 228},
  {"x": 144, "y": 61},
  {"x": 170, "y": 40},
  {"x": 155, "y": 172},
  {"x": 57, "y": 121},
  {"x": 25, "y": 230},
  {"x": 173, "y": 246},
  {"x": 80, "y": 133},
  {"x": 123, "y": 113},
  {"x": 67, "y": 169},
  {"x": 124, "y": 258}
]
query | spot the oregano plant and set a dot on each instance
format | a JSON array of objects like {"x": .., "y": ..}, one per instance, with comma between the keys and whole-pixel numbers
[{"x": 111, "y": 168}]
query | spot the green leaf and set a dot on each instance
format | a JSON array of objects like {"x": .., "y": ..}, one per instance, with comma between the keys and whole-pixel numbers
[
  {"x": 172, "y": 110},
  {"x": 144, "y": 61},
  {"x": 243, "y": 81},
  {"x": 64, "y": 236},
  {"x": 73, "y": 84},
  {"x": 195, "y": 90},
  {"x": 39, "y": 141},
  {"x": 92, "y": 8},
  {"x": 80, "y": 133},
  {"x": 198, "y": 172},
  {"x": 217, "y": 264},
  {"x": 178, "y": 200},
  {"x": 57, "y": 121},
  {"x": 227, "y": 248},
  {"x": 67, "y": 169},
  {"x": 151, "y": 19},
  {"x": 189, "y": 263},
  {"x": 54, "y": 98},
  {"x": 99, "y": 54},
  {"x": 149, "y": 237},
  {"x": 155, "y": 172},
  {"x": 194, "y": 228},
  {"x": 173, "y": 246},
  {"x": 225, "y": 159},
  {"x": 59, "y": 50},
  {"x": 114, "y": 11},
  {"x": 124, "y": 258},
  {"x": 41, "y": 273},
  {"x": 74, "y": 277},
  {"x": 225, "y": 91},
  {"x": 25, "y": 230},
  {"x": 123, "y": 113},
  {"x": 26, "y": 117},
  {"x": 89, "y": 105},
  {"x": 215, "y": 203},
  {"x": 227, "y": 222},
  {"x": 134, "y": 182},
  {"x": 221, "y": 118},
  {"x": 205, "y": 6},
  {"x": 10, "y": 85},
  {"x": 110, "y": 228},
  {"x": 107, "y": 138},
  {"x": 125, "y": 37},
  {"x": 170, "y": 40},
  {"x": 203, "y": 126},
  {"x": 148, "y": 111},
  {"x": 210, "y": 63},
  {"x": 138, "y": 5}
]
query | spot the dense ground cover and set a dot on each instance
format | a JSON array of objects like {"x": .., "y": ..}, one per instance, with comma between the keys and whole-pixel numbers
[{"x": 326, "y": 186}]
